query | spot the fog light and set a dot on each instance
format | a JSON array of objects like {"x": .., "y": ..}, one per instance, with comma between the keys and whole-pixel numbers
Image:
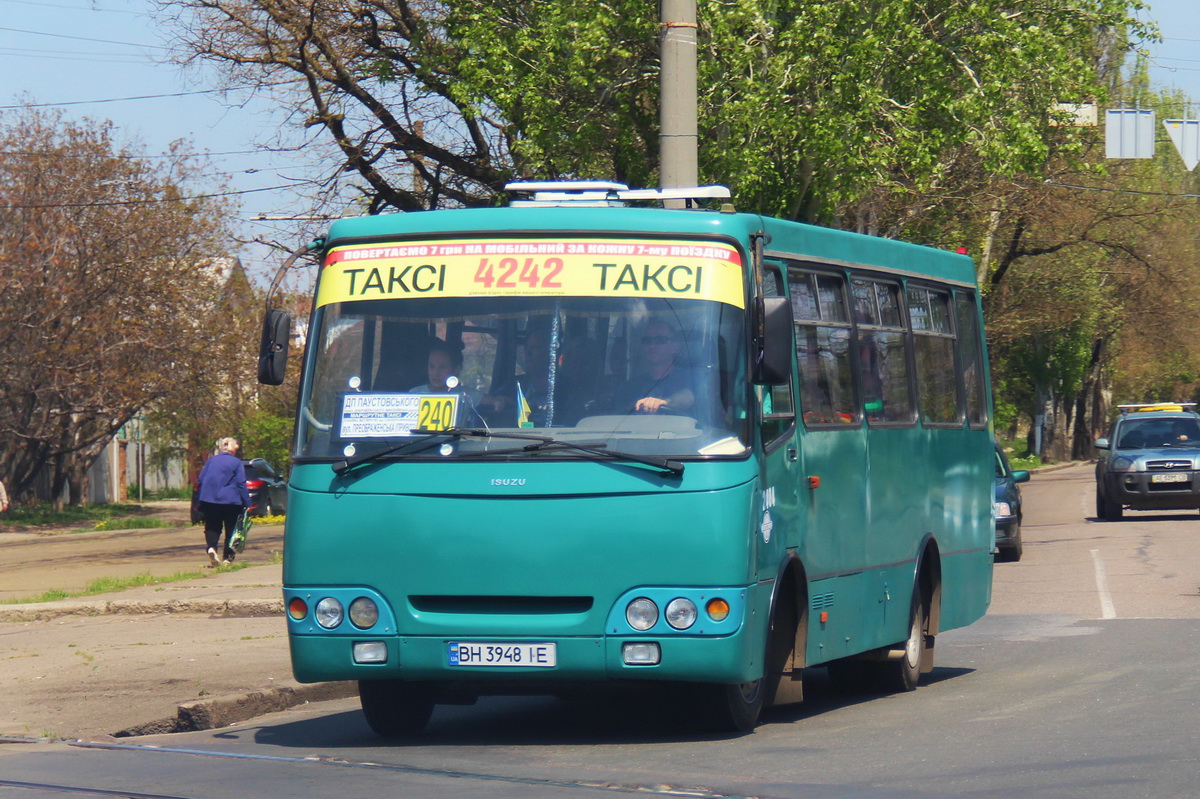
[
  {"x": 718, "y": 609},
  {"x": 641, "y": 614},
  {"x": 681, "y": 613},
  {"x": 364, "y": 613},
  {"x": 641, "y": 653},
  {"x": 370, "y": 652},
  {"x": 329, "y": 613}
]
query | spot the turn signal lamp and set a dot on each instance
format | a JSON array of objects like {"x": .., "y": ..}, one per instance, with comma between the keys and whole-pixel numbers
[
  {"x": 297, "y": 608},
  {"x": 718, "y": 609}
]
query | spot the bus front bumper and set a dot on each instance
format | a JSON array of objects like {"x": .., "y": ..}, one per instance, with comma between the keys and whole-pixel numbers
[{"x": 725, "y": 659}]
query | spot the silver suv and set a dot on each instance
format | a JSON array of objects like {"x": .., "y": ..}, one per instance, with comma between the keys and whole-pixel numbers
[{"x": 1150, "y": 460}]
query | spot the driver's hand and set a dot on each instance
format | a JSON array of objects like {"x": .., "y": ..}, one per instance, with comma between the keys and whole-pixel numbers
[{"x": 650, "y": 405}]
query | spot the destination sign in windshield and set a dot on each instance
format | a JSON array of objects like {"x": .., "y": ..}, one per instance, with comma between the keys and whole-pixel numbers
[{"x": 676, "y": 269}]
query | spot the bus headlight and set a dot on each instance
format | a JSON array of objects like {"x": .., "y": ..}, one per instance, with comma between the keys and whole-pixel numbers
[
  {"x": 641, "y": 613},
  {"x": 364, "y": 613},
  {"x": 328, "y": 613},
  {"x": 681, "y": 613}
]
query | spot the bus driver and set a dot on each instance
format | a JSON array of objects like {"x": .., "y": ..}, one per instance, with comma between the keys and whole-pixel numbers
[{"x": 666, "y": 386}]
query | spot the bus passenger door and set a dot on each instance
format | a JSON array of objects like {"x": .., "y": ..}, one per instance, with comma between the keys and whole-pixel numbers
[
  {"x": 778, "y": 528},
  {"x": 833, "y": 461}
]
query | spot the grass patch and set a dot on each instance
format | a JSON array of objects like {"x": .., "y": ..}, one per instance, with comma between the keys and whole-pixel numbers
[
  {"x": 1026, "y": 462},
  {"x": 133, "y": 523},
  {"x": 45, "y": 514},
  {"x": 1019, "y": 456},
  {"x": 110, "y": 585}
]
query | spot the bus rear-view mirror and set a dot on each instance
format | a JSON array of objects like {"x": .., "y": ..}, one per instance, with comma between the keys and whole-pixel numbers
[
  {"x": 273, "y": 348},
  {"x": 775, "y": 361}
]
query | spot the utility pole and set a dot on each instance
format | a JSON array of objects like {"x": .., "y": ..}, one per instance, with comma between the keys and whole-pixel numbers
[{"x": 678, "y": 137}]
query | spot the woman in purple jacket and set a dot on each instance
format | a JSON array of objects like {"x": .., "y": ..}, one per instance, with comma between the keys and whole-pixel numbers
[{"x": 223, "y": 496}]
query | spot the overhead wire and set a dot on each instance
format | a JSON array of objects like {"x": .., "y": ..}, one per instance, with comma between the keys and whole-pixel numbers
[
  {"x": 42, "y": 4},
  {"x": 154, "y": 201}
]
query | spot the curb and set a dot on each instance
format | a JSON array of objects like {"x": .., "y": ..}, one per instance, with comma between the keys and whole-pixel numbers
[
  {"x": 229, "y": 608},
  {"x": 1054, "y": 467},
  {"x": 222, "y": 711}
]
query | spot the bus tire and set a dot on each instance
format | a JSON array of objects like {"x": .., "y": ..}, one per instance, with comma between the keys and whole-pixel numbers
[
  {"x": 904, "y": 673},
  {"x": 394, "y": 708},
  {"x": 732, "y": 708}
]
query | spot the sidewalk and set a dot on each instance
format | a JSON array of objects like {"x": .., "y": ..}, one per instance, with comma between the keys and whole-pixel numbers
[{"x": 187, "y": 655}]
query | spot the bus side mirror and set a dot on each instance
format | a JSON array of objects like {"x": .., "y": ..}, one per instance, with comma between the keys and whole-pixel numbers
[
  {"x": 775, "y": 353},
  {"x": 273, "y": 347}
]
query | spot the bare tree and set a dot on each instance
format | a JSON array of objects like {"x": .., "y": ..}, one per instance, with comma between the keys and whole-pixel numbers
[
  {"x": 104, "y": 301},
  {"x": 375, "y": 74}
]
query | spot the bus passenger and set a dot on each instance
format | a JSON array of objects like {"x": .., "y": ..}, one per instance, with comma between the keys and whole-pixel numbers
[{"x": 666, "y": 386}]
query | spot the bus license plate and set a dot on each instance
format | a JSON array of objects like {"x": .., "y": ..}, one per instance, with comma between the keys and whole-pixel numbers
[
  {"x": 1169, "y": 478},
  {"x": 475, "y": 653}
]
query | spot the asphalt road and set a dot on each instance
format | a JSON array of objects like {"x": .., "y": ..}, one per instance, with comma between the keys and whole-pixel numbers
[{"x": 1081, "y": 682}]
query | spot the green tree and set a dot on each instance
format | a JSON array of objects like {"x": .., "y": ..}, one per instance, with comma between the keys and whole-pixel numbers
[{"x": 863, "y": 115}]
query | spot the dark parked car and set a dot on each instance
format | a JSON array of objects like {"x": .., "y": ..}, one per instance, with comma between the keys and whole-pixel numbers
[
  {"x": 1150, "y": 460},
  {"x": 1007, "y": 506},
  {"x": 268, "y": 491}
]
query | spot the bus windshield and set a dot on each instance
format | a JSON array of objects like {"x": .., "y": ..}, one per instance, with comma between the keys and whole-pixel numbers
[{"x": 657, "y": 376}]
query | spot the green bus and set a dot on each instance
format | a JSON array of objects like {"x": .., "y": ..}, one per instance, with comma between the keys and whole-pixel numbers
[{"x": 612, "y": 436}]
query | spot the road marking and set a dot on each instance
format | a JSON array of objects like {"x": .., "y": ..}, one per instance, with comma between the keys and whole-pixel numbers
[{"x": 1107, "y": 611}]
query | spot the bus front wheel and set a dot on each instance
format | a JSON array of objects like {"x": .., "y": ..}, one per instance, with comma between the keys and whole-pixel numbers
[
  {"x": 732, "y": 708},
  {"x": 393, "y": 707}
]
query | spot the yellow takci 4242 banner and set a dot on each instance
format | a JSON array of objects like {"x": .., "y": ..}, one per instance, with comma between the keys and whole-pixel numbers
[{"x": 677, "y": 269}]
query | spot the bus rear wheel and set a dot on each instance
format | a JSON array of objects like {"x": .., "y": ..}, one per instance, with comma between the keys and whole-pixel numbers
[
  {"x": 395, "y": 708},
  {"x": 889, "y": 670},
  {"x": 732, "y": 708},
  {"x": 904, "y": 673}
]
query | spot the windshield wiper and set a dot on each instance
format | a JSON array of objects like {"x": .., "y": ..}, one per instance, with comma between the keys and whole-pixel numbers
[
  {"x": 427, "y": 440},
  {"x": 542, "y": 443},
  {"x": 403, "y": 448},
  {"x": 539, "y": 443}
]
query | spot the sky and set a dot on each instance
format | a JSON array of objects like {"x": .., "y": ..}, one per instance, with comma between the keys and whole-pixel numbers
[{"x": 92, "y": 58}]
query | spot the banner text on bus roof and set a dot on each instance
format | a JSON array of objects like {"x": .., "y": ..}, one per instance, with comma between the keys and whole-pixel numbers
[{"x": 534, "y": 267}]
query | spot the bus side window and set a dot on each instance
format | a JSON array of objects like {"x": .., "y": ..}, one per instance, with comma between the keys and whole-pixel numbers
[
  {"x": 970, "y": 354},
  {"x": 933, "y": 345},
  {"x": 823, "y": 349},
  {"x": 882, "y": 352}
]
